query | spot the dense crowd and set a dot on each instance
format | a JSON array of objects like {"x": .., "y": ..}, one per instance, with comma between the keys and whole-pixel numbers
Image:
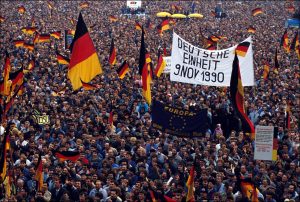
[{"x": 126, "y": 161}]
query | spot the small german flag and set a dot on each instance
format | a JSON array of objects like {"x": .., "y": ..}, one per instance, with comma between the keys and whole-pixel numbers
[
  {"x": 257, "y": 11},
  {"x": 113, "y": 18},
  {"x": 295, "y": 42},
  {"x": 16, "y": 77},
  {"x": 63, "y": 60},
  {"x": 213, "y": 13},
  {"x": 161, "y": 64},
  {"x": 276, "y": 63},
  {"x": 251, "y": 30},
  {"x": 88, "y": 86},
  {"x": 19, "y": 43},
  {"x": 242, "y": 49},
  {"x": 21, "y": 9},
  {"x": 285, "y": 42},
  {"x": 43, "y": 38},
  {"x": 84, "y": 5},
  {"x": 3, "y": 160},
  {"x": 39, "y": 176},
  {"x": 165, "y": 25},
  {"x": 123, "y": 69},
  {"x": 138, "y": 26},
  {"x": 266, "y": 71},
  {"x": 36, "y": 38},
  {"x": 7, "y": 68},
  {"x": 275, "y": 144},
  {"x": 214, "y": 38},
  {"x": 29, "y": 30},
  {"x": 112, "y": 53},
  {"x": 31, "y": 64},
  {"x": 67, "y": 155},
  {"x": 190, "y": 185},
  {"x": 56, "y": 34},
  {"x": 298, "y": 51},
  {"x": 2, "y": 19},
  {"x": 29, "y": 46},
  {"x": 111, "y": 118}
]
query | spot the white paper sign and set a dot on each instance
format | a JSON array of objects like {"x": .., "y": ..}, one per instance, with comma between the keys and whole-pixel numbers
[
  {"x": 263, "y": 142},
  {"x": 168, "y": 64},
  {"x": 134, "y": 4},
  {"x": 194, "y": 65}
]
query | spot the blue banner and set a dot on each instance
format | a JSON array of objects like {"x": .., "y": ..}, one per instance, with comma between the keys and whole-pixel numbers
[{"x": 179, "y": 122}]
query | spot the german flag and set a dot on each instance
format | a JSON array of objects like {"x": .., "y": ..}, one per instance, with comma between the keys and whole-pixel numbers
[
  {"x": 17, "y": 77},
  {"x": 29, "y": 30},
  {"x": 61, "y": 59},
  {"x": 10, "y": 102},
  {"x": 190, "y": 185},
  {"x": 21, "y": 9},
  {"x": 275, "y": 144},
  {"x": 56, "y": 34},
  {"x": 39, "y": 176},
  {"x": 43, "y": 38},
  {"x": 88, "y": 86},
  {"x": 242, "y": 49},
  {"x": 67, "y": 155},
  {"x": 211, "y": 47},
  {"x": 31, "y": 64},
  {"x": 257, "y": 11},
  {"x": 161, "y": 64},
  {"x": 2, "y": 19},
  {"x": 249, "y": 190},
  {"x": 5, "y": 147},
  {"x": 29, "y": 46},
  {"x": 295, "y": 42},
  {"x": 84, "y": 5},
  {"x": 251, "y": 30},
  {"x": 112, "y": 53},
  {"x": 288, "y": 117},
  {"x": 85, "y": 64},
  {"x": 237, "y": 98},
  {"x": 276, "y": 63},
  {"x": 111, "y": 118},
  {"x": 138, "y": 26},
  {"x": 113, "y": 18},
  {"x": 7, "y": 69},
  {"x": 165, "y": 25},
  {"x": 298, "y": 51},
  {"x": 145, "y": 68},
  {"x": 123, "y": 69},
  {"x": 285, "y": 42},
  {"x": 266, "y": 71},
  {"x": 152, "y": 195},
  {"x": 36, "y": 38}
]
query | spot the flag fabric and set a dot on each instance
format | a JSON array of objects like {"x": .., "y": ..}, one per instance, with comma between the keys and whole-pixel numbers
[
  {"x": 291, "y": 9},
  {"x": 18, "y": 43},
  {"x": 295, "y": 42},
  {"x": 165, "y": 50},
  {"x": 152, "y": 195},
  {"x": 275, "y": 144},
  {"x": 123, "y": 69},
  {"x": 7, "y": 69},
  {"x": 257, "y": 11},
  {"x": 16, "y": 77},
  {"x": 29, "y": 30},
  {"x": 29, "y": 46},
  {"x": 237, "y": 98},
  {"x": 285, "y": 42},
  {"x": 67, "y": 155},
  {"x": 21, "y": 9},
  {"x": 288, "y": 117},
  {"x": 251, "y": 30},
  {"x": 213, "y": 13},
  {"x": 36, "y": 38},
  {"x": 190, "y": 185},
  {"x": 88, "y": 86},
  {"x": 113, "y": 18},
  {"x": 39, "y": 176},
  {"x": 242, "y": 48},
  {"x": 3, "y": 161},
  {"x": 276, "y": 63},
  {"x": 84, "y": 5},
  {"x": 266, "y": 71},
  {"x": 249, "y": 191},
  {"x": 31, "y": 64},
  {"x": 56, "y": 34},
  {"x": 84, "y": 65},
  {"x": 298, "y": 51},
  {"x": 214, "y": 38},
  {"x": 112, "y": 53},
  {"x": 161, "y": 64},
  {"x": 211, "y": 47},
  {"x": 43, "y": 38},
  {"x": 110, "y": 118},
  {"x": 138, "y": 26},
  {"x": 165, "y": 25},
  {"x": 61, "y": 59}
]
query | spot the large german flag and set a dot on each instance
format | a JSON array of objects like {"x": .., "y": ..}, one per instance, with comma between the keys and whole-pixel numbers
[
  {"x": 285, "y": 42},
  {"x": 29, "y": 30},
  {"x": 138, "y": 26},
  {"x": 237, "y": 98},
  {"x": 295, "y": 42},
  {"x": 266, "y": 71},
  {"x": 85, "y": 64},
  {"x": 242, "y": 49},
  {"x": 112, "y": 53},
  {"x": 251, "y": 30},
  {"x": 31, "y": 65},
  {"x": 21, "y": 9},
  {"x": 123, "y": 69},
  {"x": 276, "y": 63},
  {"x": 39, "y": 176},
  {"x": 18, "y": 43},
  {"x": 5, "y": 147},
  {"x": 165, "y": 25},
  {"x": 6, "y": 83},
  {"x": 43, "y": 38},
  {"x": 61, "y": 59},
  {"x": 56, "y": 34},
  {"x": 161, "y": 64},
  {"x": 67, "y": 155},
  {"x": 190, "y": 185},
  {"x": 257, "y": 11},
  {"x": 16, "y": 77}
]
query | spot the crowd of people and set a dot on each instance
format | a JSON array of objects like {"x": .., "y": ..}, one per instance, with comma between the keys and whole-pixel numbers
[{"x": 124, "y": 162}]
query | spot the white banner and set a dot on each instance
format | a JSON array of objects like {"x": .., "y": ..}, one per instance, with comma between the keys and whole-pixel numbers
[
  {"x": 134, "y": 4},
  {"x": 168, "y": 64},
  {"x": 190, "y": 64},
  {"x": 263, "y": 143}
]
